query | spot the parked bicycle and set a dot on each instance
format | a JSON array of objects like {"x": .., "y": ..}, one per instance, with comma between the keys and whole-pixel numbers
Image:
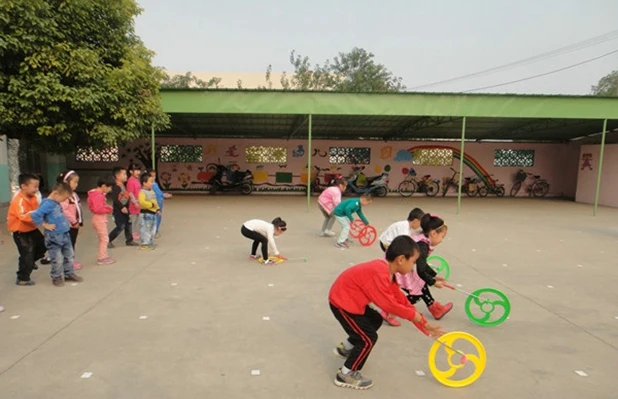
[
  {"x": 538, "y": 188},
  {"x": 318, "y": 185},
  {"x": 493, "y": 187},
  {"x": 471, "y": 185},
  {"x": 411, "y": 185}
]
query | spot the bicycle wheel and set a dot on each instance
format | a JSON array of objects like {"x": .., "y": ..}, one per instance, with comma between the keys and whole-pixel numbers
[
  {"x": 471, "y": 192},
  {"x": 406, "y": 188},
  {"x": 515, "y": 189},
  {"x": 432, "y": 189},
  {"x": 500, "y": 191},
  {"x": 540, "y": 189},
  {"x": 483, "y": 191}
]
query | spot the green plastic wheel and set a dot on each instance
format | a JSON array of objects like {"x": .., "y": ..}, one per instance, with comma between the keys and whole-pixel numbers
[
  {"x": 480, "y": 307},
  {"x": 442, "y": 268}
]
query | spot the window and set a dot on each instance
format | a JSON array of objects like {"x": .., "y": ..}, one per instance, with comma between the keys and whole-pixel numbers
[
  {"x": 181, "y": 153},
  {"x": 433, "y": 157},
  {"x": 260, "y": 154},
  {"x": 514, "y": 158},
  {"x": 89, "y": 154},
  {"x": 350, "y": 155}
]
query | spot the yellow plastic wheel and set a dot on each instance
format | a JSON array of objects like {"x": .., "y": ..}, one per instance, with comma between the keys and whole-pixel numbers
[{"x": 448, "y": 377}]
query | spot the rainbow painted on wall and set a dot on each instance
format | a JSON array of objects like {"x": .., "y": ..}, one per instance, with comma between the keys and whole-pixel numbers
[{"x": 469, "y": 161}]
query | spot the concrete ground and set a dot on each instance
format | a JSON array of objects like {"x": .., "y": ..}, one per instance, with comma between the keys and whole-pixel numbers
[{"x": 205, "y": 301}]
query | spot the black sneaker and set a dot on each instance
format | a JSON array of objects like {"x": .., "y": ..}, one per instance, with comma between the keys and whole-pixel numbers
[
  {"x": 353, "y": 380},
  {"x": 45, "y": 261},
  {"x": 24, "y": 283},
  {"x": 58, "y": 282},
  {"x": 132, "y": 244},
  {"x": 111, "y": 245}
]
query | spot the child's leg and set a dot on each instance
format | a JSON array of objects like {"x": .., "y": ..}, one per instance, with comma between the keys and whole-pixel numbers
[
  {"x": 73, "y": 233},
  {"x": 155, "y": 223},
  {"x": 99, "y": 223},
  {"x": 264, "y": 241},
  {"x": 257, "y": 239},
  {"x": 426, "y": 296},
  {"x": 159, "y": 219},
  {"x": 26, "y": 249},
  {"x": 147, "y": 223},
  {"x": 326, "y": 219},
  {"x": 120, "y": 226},
  {"x": 54, "y": 251},
  {"x": 331, "y": 222},
  {"x": 345, "y": 228},
  {"x": 128, "y": 229},
  {"x": 362, "y": 332},
  {"x": 67, "y": 254}
]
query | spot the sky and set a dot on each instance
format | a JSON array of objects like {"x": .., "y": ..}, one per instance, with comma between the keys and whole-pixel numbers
[{"x": 420, "y": 41}]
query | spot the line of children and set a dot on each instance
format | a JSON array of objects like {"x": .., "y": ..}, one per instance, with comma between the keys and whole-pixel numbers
[
  {"x": 262, "y": 232},
  {"x": 51, "y": 218},
  {"x": 350, "y": 296},
  {"x": 327, "y": 202},
  {"x": 416, "y": 283},
  {"x": 344, "y": 214}
]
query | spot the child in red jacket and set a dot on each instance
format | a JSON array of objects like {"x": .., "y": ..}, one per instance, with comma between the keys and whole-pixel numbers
[
  {"x": 372, "y": 282},
  {"x": 97, "y": 204}
]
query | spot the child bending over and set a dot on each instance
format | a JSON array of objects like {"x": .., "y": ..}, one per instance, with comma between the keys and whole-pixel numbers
[
  {"x": 264, "y": 233},
  {"x": 343, "y": 213},
  {"x": 328, "y": 200},
  {"x": 350, "y": 296}
]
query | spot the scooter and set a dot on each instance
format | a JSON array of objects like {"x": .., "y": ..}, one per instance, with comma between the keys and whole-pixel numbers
[
  {"x": 318, "y": 186},
  {"x": 235, "y": 181},
  {"x": 358, "y": 183}
]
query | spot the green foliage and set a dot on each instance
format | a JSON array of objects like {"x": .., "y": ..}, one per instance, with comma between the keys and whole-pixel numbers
[
  {"x": 188, "y": 80},
  {"x": 607, "y": 86},
  {"x": 73, "y": 73},
  {"x": 352, "y": 72}
]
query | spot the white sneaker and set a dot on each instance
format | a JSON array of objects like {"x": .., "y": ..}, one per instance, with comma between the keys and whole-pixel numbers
[
  {"x": 330, "y": 233},
  {"x": 269, "y": 262},
  {"x": 323, "y": 234}
]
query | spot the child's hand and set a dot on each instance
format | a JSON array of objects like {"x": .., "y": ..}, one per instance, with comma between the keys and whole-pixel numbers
[
  {"x": 439, "y": 278},
  {"x": 49, "y": 226},
  {"x": 124, "y": 210},
  {"x": 158, "y": 213},
  {"x": 167, "y": 195},
  {"x": 434, "y": 330},
  {"x": 439, "y": 284},
  {"x": 281, "y": 257}
]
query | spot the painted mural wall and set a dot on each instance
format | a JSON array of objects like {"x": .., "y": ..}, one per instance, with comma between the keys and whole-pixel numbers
[
  {"x": 587, "y": 175},
  {"x": 554, "y": 162}
]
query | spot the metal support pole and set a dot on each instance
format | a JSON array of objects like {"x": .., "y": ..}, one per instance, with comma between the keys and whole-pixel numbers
[
  {"x": 309, "y": 165},
  {"x": 599, "y": 168},
  {"x": 152, "y": 149},
  {"x": 461, "y": 161}
]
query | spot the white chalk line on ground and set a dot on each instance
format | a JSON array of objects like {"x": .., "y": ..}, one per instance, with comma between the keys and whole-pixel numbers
[
  {"x": 536, "y": 303},
  {"x": 113, "y": 291}
]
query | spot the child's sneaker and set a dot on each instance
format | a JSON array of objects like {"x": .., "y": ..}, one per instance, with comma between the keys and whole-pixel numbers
[
  {"x": 340, "y": 350},
  {"x": 58, "y": 282},
  {"x": 24, "y": 283},
  {"x": 390, "y": 320},
  {"x": 353, "y": 380},
  {"x": 341, "y": 245},
  {"x": 158, "y": 235},
  {"x": 146, "y": 247},
  {"x": 77, "y": 265},
  {"x": 111, "y": 245},
  {"x": 73, "y": 277},
  {"x": 106, "y": 261},
  {"x": 330, "y": 233},
  {"x": 270, "y": 262},
  {"x": 323, "y": 234},
  {"x": 132, "y": 244},
  {"x": 253, "y": 257},
  {"x": 438, "y": 310},
  {"x": 348, "y": 242},
  {"x": 45, "y": 261}
]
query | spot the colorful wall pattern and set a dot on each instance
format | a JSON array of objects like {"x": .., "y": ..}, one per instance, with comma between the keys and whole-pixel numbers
[{"x": 394, "y": 158}]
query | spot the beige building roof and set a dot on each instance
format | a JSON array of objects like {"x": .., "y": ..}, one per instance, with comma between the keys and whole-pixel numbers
[{"x": 250, "y": 80}]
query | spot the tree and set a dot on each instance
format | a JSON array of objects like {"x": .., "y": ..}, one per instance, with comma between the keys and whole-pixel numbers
[
  {"x": 73, "y": 73},
  {"x": 607, "y": 86},
  {"x": 355, "y": 71},
  {"x": 188, "y": 80}
]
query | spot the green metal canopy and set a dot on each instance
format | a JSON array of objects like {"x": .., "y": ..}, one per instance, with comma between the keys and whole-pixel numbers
[{"x": 388, "y": 116}]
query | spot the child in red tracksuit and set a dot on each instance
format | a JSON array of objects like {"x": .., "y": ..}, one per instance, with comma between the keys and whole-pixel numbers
[{"x": 372, "y": 282}]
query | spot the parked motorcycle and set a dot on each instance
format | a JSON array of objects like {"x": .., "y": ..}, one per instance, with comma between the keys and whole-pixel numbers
[
  {"x": 317, "y": 185},
  {"x": 236, "y": 180},
  {"x": 358, "y": 183}
]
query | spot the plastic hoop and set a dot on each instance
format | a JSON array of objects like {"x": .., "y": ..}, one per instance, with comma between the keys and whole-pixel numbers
[
  {"x": 367, "y": 236},
  {"x": 487, "y": 306},
  {"x": 445, "y": 377},
  {"x": 442, "y": 267}
]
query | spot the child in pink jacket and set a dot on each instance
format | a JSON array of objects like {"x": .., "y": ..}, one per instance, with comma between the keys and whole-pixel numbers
[
  {"x": 97, "y": 203},
  {"x": 328, "y": 200},
  {"x": 133, "y": 187},
  {"x": 72, "y": 208}
]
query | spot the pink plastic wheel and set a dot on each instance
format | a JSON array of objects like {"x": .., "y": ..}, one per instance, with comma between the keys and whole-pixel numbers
[
  {"x": 367, "y": 236},
  {"x": 356, "y": 227}
]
